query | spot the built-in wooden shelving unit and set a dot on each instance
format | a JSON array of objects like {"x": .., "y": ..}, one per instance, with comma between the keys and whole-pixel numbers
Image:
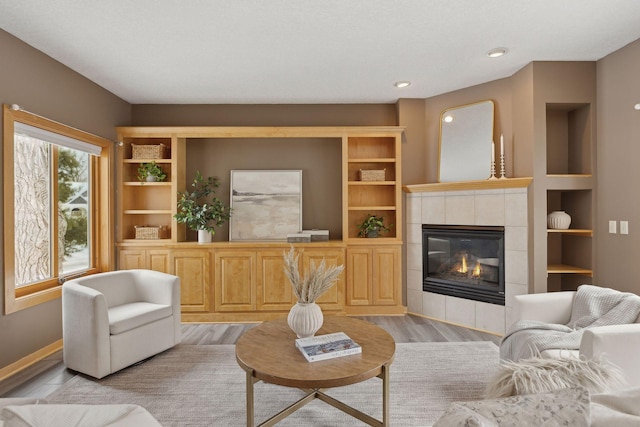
[
  {"x": 570, "y": 187},
  {"x": 238, "y": 281}
]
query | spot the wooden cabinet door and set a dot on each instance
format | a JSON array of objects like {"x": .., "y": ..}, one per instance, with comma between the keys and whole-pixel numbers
[
  {"x": 235, "y": 283},
  {"x": 158, "y": 260},
  {"x": 131, "y": 259},
  {"x": 359, "y": 276},
  {"x": 193, "y": 268},
  {"x": 374, "y": 276},
  {"x": 333, "y": 299},
  {"x": 274, "y": 291},
  {"x": 386, "y": 276}
]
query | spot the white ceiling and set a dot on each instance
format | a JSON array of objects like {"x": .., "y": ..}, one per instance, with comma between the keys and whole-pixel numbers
[{"x": 311, "y": 51}]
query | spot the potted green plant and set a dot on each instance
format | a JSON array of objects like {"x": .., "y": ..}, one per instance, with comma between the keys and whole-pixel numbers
[
  {"x": 200, "y": 209},
  {"x": 372, "y": 226},
  {"x": 150, "y": 172}
]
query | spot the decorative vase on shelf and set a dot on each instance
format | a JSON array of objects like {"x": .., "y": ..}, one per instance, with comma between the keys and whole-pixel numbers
[
  {"x": 204, "y": 236},
  {"x": 305, "y": 319},
  {"x": 558, "y": 220}
]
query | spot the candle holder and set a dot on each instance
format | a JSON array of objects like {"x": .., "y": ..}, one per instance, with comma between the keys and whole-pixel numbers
[
  {"x": 493, "y": 170},
  {"x": 502, "y": 174}
]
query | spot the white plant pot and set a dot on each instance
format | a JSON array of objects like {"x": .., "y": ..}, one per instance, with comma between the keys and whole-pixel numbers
[
  {"x": 151, "y": 178},
  {"x": 558, "y": 220},
  {"x": 305, "y": 319},
  {"x": 204, "y": 236}
]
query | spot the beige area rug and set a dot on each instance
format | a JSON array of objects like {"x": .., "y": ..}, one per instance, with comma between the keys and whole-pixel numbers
[{"x": 204, "y": 386}]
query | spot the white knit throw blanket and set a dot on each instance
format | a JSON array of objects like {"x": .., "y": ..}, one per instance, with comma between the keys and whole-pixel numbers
[{"x": 593, "y": 306}]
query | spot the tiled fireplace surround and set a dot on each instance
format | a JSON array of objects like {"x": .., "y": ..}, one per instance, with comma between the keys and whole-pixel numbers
[{"x": 503, "y": 207}]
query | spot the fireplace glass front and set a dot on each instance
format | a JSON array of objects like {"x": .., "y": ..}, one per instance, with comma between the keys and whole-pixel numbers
[{"x": 464, "y": 261}]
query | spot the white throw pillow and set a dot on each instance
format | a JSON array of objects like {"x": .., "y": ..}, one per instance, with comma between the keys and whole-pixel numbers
[{"x": 540, "y": 375}]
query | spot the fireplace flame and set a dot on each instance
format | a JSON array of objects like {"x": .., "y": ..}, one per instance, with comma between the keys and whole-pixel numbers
[
  {"x": 476, "y": 270},
  {"x": 463, "y": 268}
]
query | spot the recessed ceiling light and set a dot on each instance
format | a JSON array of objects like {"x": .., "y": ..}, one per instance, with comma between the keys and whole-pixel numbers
[
  {"x": 497, "y": 52},
  {"x": 637, "y": 106},
  {"x": 447, "y": 119},
  {"x": 403, "y": 83}
]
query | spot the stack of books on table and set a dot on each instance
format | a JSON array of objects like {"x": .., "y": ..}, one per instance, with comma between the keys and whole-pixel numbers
[{"x": 322, "y": 347}]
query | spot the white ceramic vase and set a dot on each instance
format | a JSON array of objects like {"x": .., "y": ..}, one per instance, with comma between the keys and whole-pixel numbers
[
  {"x": 204, "y": 236},
  {"x": 305, "y": 319},
  {"x": 558, "y": 220}
]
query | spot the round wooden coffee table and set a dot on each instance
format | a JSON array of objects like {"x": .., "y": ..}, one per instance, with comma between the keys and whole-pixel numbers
[{"x": 268, "y": 353}]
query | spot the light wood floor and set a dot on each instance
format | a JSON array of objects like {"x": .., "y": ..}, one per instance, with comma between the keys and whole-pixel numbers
[{"x": 44, "y": 377}]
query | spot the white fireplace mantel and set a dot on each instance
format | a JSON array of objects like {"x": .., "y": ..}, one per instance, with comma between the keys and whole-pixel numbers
[{"x": 501, "y": 202}]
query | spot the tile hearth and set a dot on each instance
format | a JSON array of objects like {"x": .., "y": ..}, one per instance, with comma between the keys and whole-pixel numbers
[{"x": 506, "y": 207}]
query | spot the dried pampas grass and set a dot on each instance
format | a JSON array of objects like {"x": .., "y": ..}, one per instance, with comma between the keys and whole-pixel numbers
[
  {"x": 540, "y": 375},
  {"x": 319, "y": 280}
]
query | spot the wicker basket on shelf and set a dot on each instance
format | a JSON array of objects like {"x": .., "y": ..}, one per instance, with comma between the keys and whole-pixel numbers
[
  {"x": 146, "y": 232},
  {"x": 372, "y": 175},
  {"x": 158, "y": 151}
]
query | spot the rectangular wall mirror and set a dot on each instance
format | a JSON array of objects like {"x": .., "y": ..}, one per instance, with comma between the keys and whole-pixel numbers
[{"x": 466, "y": 133}]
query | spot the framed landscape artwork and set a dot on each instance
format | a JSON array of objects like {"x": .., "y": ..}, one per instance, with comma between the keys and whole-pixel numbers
[{"x": 266, "y": 204}]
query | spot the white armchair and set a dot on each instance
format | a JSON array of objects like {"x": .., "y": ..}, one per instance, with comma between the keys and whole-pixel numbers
[
  {"x": 620, "y": 344},
  {"x": 112, "y": 320}
]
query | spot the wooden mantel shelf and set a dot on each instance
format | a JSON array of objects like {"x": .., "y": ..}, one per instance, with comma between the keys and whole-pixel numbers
[{"x": 485, "y": 184}]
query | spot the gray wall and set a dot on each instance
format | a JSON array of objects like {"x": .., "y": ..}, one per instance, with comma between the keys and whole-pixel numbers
[
  {"x": 618, "y": 168},
  {"x": 45, "y": 87}
]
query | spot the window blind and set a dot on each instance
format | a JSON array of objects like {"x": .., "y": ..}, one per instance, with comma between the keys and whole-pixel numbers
[{"x": 56, "y": 138}]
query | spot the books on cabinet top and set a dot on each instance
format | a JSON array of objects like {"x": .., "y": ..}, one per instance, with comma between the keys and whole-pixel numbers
[
  {"x": 329, "y": 346},
  {"x": 317, "y": 235}
]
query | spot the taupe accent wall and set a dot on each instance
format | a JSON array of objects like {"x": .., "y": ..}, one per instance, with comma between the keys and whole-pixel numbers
[
  {"x": 265, "y": 115},
  {"x": 498, "y": 91},
  {"x": 415, "y": 158},
  {"x": 522, "y": 97},
  {"x": 319, "y": 159},
  {"x": 618, "y": 168},
  {"x": 45, "y": 87}
]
